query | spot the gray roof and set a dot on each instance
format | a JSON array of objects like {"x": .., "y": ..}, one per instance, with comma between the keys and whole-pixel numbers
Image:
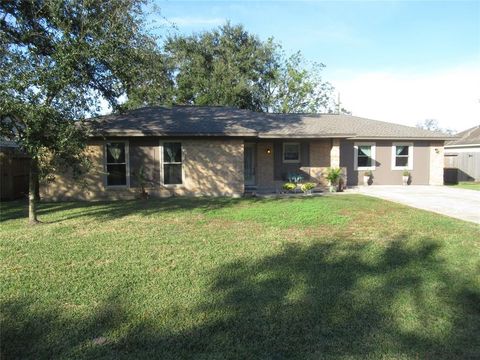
[
  {"x": 468, "y": 137},
  {"x": 227, "y": 121}
]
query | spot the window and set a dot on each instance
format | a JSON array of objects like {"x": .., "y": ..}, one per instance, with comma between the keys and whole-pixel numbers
[
  {"x": 402, "y": 156},
  {"x": 116, "y": 163},
  {"x": 291, "y": 152},
  {"x": 172, "y": 163},
  {"x": 364, "y": 155}
]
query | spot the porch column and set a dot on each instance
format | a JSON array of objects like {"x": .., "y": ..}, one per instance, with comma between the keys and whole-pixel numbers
[{"x": 335, "y": 153}]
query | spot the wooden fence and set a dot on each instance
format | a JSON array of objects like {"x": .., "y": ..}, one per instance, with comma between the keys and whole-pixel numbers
[
  {"x": 14, "y": 168},
  {"x": 462, "y": 166}
]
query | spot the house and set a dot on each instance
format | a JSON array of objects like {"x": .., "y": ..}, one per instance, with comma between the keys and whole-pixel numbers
[
  {"x": 188, "y": 150},
  {"x": 462, "y": 156}
]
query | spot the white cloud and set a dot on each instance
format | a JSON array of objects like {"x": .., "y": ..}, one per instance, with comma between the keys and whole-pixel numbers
[
  {"x": 451, "y": 96},
  {"x": 196, "y": 21}
]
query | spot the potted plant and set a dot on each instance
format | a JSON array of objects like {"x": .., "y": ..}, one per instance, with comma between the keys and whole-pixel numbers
[
  {"x": 289, "y": 186},
  {"x": 333, "y": 177},
  {"x": 367, "y": 176},
  {"x": 307, "y": 188},
  {"x": 405, "y": 177}
]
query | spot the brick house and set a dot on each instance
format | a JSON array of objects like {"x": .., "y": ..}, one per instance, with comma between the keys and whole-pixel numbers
[{"x": 188, "y": 150}]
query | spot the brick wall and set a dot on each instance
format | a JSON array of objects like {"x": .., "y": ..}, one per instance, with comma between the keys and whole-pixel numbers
[{"x": 211, "y": 167}]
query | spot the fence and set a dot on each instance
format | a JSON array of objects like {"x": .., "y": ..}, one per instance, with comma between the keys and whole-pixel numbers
[
  {"x": 14, "y": 168},
  {"x": 462, "y": 167}
]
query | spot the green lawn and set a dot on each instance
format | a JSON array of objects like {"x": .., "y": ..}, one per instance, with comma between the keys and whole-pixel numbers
[
  {"x": 342, "y": 277},
  {"x": 467, "y": 185}
]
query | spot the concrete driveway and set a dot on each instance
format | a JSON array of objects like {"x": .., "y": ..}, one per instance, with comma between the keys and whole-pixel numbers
[{"x": 458, "y": 203}]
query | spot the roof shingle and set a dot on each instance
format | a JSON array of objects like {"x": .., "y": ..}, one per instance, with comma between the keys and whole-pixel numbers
[{"x": 227, "y": 121}]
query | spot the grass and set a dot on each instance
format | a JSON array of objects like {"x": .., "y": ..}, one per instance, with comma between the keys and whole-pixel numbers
[
  {"x": 340, "y": 277},
  {"x": 467, "y": 185}
]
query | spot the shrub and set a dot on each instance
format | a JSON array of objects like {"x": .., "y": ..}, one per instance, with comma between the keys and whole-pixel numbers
[
  {"x": 289, "y": 186},
  {"x": 333, "y": 175},
  {"x": 307, "y": 186},
  {"x": 406, "y": 173}
]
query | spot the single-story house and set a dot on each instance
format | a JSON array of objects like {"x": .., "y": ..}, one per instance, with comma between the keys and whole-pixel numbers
[
  {"x": 189, "y": 150},
  {"x": 462, "y": 156}
]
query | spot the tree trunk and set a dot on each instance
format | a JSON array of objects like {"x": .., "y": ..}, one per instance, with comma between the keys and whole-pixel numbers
[
  {"x": 37, "y": 187},
  {"x": 32, "y": 192}
]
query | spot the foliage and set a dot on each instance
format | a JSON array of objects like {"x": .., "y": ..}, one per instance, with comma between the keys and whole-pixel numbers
[
  {"x": 231, "y": 67},
  {"x": 57, "y": 61},
  {"x": 289, "y": 186},
  {"x": 406, "y": 173},
  {"x": 368, "y": 173},
  {"x": 298, "y": 88},
  {"x": 346, "y": 277},
  {"x": 307, "y": 187},
  {"x": 433, "y": 125},
  {"x": 333, "y": 175}
]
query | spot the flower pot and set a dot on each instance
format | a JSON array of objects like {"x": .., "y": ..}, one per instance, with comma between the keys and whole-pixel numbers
[
  {"x": 332, "y": 188},
  {"x": 405, "y": 180},
  {"x": 366, "y": 179}
]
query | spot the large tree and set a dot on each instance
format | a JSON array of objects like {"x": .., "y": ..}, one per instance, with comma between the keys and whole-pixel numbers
[
  {"x": 58, "y": 60},
  {"x": 229, "y": 66}
]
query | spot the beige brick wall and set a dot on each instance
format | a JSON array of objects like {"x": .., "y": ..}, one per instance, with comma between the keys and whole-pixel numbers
[
  {"x": 211, "y": 167},
  {"x": 320, "y": 159},
  {"x": 436, "y": 163},
  {"x": 335, "y": 153}
]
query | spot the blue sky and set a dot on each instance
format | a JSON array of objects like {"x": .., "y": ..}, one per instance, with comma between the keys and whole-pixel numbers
[{"x": 391, "y": 52}]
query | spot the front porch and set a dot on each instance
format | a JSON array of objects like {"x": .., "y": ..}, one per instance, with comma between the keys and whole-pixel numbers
[{"x": 268, "y": 164}]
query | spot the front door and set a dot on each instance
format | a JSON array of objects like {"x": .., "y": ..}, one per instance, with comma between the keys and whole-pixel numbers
[{"x": 249, "y": 164}]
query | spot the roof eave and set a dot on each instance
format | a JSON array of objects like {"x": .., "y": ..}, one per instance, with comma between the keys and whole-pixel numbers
[
  {"x": 440, "y": 138},
  {"x": 462, "y": 145}
]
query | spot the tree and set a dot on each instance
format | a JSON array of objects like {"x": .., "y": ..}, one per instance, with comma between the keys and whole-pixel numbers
[
  {"x": 229, "y": 66},
  {"x": 433, "y": 125},
  {"x": 58, "y": 59},
  {"x": 298, "y": 89}
]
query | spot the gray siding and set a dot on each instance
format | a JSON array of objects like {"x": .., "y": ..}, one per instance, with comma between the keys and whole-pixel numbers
[{"x": 384, "y": 174}]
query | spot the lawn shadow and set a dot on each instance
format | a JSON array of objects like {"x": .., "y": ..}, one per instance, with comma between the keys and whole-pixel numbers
[
  {"x": 113, "y": 209},
  {"x": 327, "y": 300}
]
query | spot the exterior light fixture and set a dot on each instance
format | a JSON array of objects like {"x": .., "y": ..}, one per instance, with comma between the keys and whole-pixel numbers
[
  {"x": 437, "y": 150},
  {"x": 268, "y": 151}
]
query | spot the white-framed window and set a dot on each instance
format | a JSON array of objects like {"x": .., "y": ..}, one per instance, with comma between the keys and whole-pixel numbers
[
  {"x": 171, "y": 162},
  {"x": 364, "y": 155},
  {"x": 402, "y": 156},
  {"x": 117, "y": 164},
  {"x": 291, "y": 152}
]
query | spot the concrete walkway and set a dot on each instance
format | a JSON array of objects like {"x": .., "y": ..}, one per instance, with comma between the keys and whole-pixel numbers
[{"x": 458, "y": 203}]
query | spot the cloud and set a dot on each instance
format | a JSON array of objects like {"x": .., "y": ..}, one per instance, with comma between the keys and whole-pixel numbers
[
  {"x": 196, "y": 21},
  {"x": 451, "y": 96}
]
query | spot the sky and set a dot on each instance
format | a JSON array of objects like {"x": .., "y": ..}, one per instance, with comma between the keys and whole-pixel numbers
[{"x": 397, "y": 61}]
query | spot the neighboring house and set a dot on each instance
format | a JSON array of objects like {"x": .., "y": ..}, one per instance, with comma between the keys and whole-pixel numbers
[
  {"x": 462, "y": 156},
  {"x": 187, "y": 150},
  {"x": 14, "y": 170}
]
